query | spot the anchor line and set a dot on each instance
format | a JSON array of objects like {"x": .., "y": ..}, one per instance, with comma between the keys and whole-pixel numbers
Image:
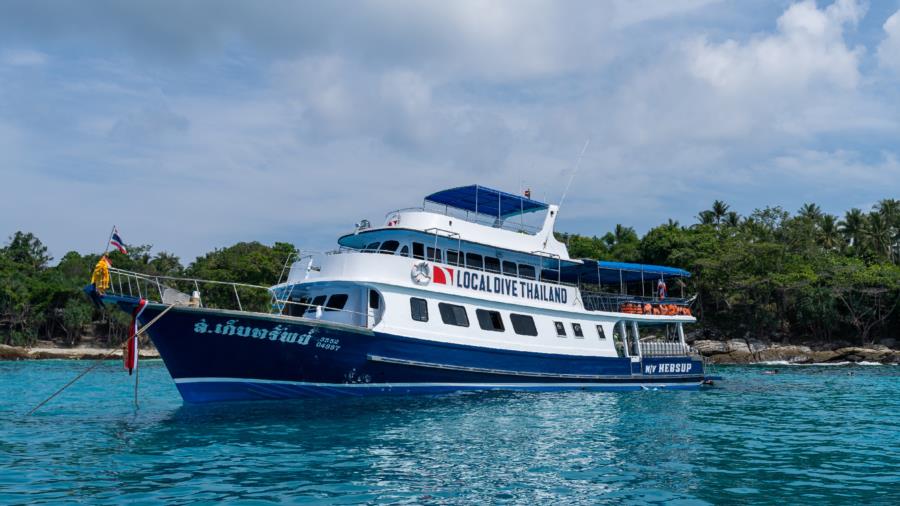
[{"x": 100, "y": 361}]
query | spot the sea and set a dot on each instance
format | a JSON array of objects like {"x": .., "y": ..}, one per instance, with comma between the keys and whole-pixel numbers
[{"x": 803, "y": 435}]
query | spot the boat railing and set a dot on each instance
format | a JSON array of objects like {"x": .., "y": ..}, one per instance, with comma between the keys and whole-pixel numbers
[
  {"x": 665, "y": 349},
  {"x": 616, "y": 302},
  {"x": 477, "y": 218},
  {"x": 215, "y": 294},
  {"x": 440, "y": 261}
]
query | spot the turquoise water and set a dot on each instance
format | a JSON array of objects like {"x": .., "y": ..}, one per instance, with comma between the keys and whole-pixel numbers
[{"x": 806, "y": 435}]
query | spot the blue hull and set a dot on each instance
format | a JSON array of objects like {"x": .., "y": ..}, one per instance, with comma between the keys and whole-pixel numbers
[{"x": 216, "y": 355}]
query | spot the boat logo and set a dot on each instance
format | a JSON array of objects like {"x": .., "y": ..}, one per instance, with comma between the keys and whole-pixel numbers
[
  {"x": 277, "y": 333},
  {"x": 681, "y": 367}
]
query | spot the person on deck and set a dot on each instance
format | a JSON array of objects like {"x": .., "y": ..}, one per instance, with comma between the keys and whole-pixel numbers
[{"x": 661, "y": 289}]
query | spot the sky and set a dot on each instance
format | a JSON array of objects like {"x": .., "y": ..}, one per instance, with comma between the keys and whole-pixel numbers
[{"x": 195, "y": 125}]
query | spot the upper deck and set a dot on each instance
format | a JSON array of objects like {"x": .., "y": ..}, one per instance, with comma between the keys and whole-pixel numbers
[{"x": 478, "y": 215}]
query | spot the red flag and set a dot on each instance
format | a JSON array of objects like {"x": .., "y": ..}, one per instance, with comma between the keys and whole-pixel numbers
[{"x": 131, "y": 346}]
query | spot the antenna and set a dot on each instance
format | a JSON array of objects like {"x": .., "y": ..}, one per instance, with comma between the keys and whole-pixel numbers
[{"x": 575, "y": 171}]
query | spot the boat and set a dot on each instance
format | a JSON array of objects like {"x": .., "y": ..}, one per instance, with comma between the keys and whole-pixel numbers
[{"x": 458, "y": 294}]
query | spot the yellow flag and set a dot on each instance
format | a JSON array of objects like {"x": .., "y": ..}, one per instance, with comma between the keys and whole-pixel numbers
[{"x": 100, "y": 277}]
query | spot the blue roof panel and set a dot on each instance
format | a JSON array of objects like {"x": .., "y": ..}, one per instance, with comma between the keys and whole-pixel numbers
[
  {"x": 481, "y": 200},
  {"x": 593, "y": 271}
]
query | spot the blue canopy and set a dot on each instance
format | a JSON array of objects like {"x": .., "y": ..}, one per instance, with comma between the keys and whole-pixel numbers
[
  {"x": 596, "y": 272},
  {"x": 481, "y": 200}
]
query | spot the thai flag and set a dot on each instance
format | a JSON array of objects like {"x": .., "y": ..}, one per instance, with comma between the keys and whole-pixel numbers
[
  {"x": 131, "y": 346},
  {"x": 117, "y": 241}
]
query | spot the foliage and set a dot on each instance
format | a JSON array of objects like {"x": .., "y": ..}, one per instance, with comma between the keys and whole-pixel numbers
[
  {"x": 769, "y": 275},
  {"x": 774, "y": 275}
]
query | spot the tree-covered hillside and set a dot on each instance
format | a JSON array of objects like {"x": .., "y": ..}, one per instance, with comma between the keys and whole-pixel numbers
[
  {"x": 770, "y": 275},
  {"x": 776, "y": 276}
]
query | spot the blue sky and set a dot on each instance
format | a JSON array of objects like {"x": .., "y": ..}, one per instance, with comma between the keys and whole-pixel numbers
[{"x": 194, "y": 125}]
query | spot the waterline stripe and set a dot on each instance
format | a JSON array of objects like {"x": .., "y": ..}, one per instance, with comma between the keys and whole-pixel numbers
[
  {"x": 504, "y": 372},
  {"x": 408, "y": 385}
]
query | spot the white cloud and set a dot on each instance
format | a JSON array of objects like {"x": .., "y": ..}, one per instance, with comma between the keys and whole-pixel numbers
[
  {"x": 807, "y": 50},
  {"x": 23, "y": 57},
  {"x": 889, "y": 49}
]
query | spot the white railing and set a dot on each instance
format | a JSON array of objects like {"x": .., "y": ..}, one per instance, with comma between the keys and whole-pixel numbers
[
  {"x": 665, "y": 349},
  {"x": 214, "y": 294}
]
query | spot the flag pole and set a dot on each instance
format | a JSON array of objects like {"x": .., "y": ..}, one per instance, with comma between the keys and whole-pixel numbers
[{"x": 111, "y": 232}]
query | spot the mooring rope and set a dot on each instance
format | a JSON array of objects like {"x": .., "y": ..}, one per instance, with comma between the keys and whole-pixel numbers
[{"x": 100, "y": 361}]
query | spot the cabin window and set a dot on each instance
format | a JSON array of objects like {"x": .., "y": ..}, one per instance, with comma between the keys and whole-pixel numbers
[
  {"x": 336, "y": 302},
  {"x": 576, "y": 329},
  {"x": 452, "y": 257},
  {"x": 435, "y": 255},
  {"x": 491, "y": 264},
  {"x": 372, "y": 246},
  {"x": 389, "y": 247},
  {"x": 452, "y": 314},
  {"x": 419, "y": 250},
  {"x": 523, "y": 324},
  {"x": 298, "y": 307},
  {"x": 419, "y": 309},
  {"x": 316, "y": 302},
  {"x": 510, "y": 269},
  {"x": 526, "y": 271},
  {"x": 373, "y": 299},
  {"x": 404, "y": 251},
  {"x": 560, "y": 329},
  {"x": 474, "y": 261},
  {"x": 489, "y": 320},
  {"x": 600, "y": 332}
]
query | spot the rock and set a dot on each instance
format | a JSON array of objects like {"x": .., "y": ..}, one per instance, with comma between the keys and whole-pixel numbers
[{"x": 12, "y": 352}]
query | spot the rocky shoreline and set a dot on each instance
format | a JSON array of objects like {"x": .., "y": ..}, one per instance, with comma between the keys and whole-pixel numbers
[
  {"x": 732, "y": 351},
  {"x": 737, "y": 351},
  {"x": 77, "y": 353}
]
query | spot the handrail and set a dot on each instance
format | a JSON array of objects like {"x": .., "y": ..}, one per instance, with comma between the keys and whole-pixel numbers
[{"x": 276, "y": 302}]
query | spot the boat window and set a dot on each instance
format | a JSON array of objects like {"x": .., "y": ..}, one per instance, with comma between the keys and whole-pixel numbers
[
  {"x": 491, "y": 264},
  {"x": 560, "y": 329},
  {"x": 489, "y": 320},
  {"x": 523, "y": 324},
  {"x": 317, "y": 301},
  {"x": 373, "y": 299},
  {"x": 435, "y": 255},
  {"x": 336, "y": 302},
  {"x": 452, "y": 314},
  {"x": 526, "y": 271},
  {"x": 452, "y": 257},
  {"x": 474, "y": 261},
  {"x": 389, "y": 247},
  {"x": 509, "y": 268},
  {"x": 418, "y": 250},
  {"x": 576, "y": 329},
  {"x": 372, "y": 246},
  {"x": 298, "y": 307},
  {"x": 600, "y": 332},
  {"x": 419, "y": 309},
  {"x": 404, "y": 251}
]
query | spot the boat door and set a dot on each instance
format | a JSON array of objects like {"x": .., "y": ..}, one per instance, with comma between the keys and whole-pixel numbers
[{"x": 633, "y": 340}]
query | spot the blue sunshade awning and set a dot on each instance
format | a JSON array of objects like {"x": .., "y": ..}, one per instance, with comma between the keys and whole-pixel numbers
[
  {"x": 481, "y": 200},
  {"x": 593, "y": 271}
]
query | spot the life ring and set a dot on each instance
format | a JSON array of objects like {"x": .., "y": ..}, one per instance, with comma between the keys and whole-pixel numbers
[{"x": 421, "y": 273}]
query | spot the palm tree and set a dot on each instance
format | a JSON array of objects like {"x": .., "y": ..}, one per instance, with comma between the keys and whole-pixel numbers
[
  {"x": 878, "y": 235},
  {"x": 732, "y": 219},
  {"x": 853, "y": 226},
  {"x": 719, "y": 210},
  {"x": 890, "y": 210},
  {"x": 811, "y": 212},
  {"x": 706, "y": 218},
  {"x": 829, "y": 236}
]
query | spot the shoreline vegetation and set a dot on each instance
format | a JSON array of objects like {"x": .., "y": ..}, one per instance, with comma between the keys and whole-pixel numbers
[{"x": 807, "y": 287}]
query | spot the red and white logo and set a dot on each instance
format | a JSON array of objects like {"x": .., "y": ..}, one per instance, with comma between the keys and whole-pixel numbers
[{"x": 442, "y": 275}]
